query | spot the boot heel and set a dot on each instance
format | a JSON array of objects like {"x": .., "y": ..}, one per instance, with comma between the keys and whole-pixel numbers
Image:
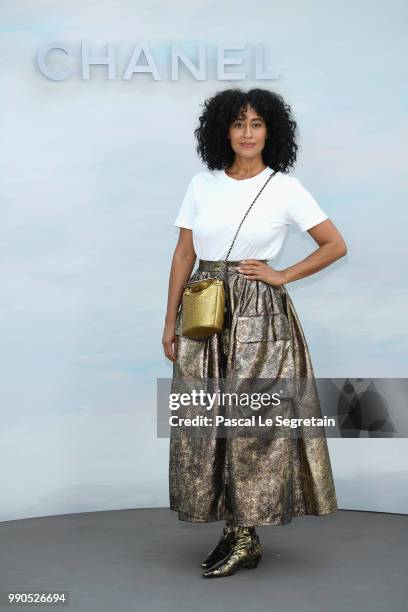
[{"x": 251, "y": 564}]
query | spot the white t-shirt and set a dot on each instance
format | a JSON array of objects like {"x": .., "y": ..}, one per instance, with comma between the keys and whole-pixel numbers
[{"x": 215, "y": 203}]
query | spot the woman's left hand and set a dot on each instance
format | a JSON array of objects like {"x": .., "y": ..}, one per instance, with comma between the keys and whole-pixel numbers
[{"x": 253, "y": 269}]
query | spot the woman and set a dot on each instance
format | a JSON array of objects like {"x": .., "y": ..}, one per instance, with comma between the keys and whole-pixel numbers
[{"x": 243, "y": 139}]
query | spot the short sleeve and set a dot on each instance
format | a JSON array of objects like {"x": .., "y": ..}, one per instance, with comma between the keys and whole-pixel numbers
[
  {"x": 303, "y": 210},
  {"x": 187, "y": 209}
]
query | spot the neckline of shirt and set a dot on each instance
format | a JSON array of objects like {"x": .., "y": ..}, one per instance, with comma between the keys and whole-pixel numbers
[{"x": 247, "y": 181}]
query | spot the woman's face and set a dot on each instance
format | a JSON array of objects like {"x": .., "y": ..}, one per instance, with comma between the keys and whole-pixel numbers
[{"x": 248, "y": 133}]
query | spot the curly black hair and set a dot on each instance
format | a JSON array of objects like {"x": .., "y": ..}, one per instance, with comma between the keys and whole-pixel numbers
[{"x": 222, "y": 109}]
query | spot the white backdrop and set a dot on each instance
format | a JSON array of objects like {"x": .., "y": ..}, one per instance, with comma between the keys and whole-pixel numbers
[{"x": 92, "y": 176}]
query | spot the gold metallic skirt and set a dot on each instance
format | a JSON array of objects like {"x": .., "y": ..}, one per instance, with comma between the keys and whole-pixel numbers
[{"x": 249, "y": 480}]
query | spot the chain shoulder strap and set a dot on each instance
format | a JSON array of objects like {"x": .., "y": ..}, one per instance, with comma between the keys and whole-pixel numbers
[
  {"x": 239, "y": 227},
  {"x": 245, "y": 216}
]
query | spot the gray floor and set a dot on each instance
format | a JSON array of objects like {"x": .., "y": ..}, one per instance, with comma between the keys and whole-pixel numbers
[{"x": 148, "y": 560}]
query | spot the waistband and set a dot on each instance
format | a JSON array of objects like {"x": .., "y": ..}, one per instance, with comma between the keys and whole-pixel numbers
[{"x": 219, "y": 265}]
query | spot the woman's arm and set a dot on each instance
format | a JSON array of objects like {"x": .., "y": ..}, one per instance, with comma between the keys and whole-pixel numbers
[
  {"x": 331, "y": 247},
  {"x": 184, "y": 258}
]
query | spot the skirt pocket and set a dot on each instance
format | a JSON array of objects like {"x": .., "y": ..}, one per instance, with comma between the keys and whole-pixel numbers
[{"x": 262, "y": 346}]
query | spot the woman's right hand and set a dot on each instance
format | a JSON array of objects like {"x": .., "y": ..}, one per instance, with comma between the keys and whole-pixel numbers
[{"x": 169, "y": 341}]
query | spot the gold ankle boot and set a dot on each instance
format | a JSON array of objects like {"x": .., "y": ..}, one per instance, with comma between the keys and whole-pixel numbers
[
  {"x": 246, "y": 552},
  {"x": 222, "y": 549}
]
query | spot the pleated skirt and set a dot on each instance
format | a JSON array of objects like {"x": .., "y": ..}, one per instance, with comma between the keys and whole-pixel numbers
[{"x": 249, "y": 480}]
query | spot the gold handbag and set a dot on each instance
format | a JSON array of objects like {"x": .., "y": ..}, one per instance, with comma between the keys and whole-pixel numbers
[{"x": 203, "y": 301}]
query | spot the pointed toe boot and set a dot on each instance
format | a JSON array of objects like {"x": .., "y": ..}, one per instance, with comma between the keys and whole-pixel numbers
[
  {"x": 222, "y": 549},
  {"x": 246, "y": 552}
]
